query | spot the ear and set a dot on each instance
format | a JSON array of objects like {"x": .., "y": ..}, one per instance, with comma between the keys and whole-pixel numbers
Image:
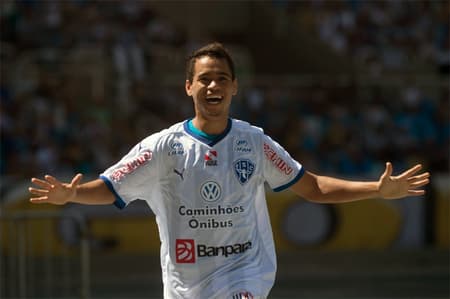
[
  {"x": 235, "y": 87},
  {"x": 187, "y": 86}
]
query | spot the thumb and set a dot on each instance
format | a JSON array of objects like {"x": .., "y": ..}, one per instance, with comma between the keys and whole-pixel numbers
[
  {"x": 76, "y": 180},
  {"x": 388, "y": 171}
]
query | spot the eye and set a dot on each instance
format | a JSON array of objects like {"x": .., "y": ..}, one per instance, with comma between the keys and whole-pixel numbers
[{"x": 204, "y": 80}]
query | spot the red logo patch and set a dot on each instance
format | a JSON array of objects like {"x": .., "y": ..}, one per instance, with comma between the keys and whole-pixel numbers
[
  {"x": 210, "y": 155},
  {"x": 211, "y": 158},
  {"x": 185, "y": 251}
]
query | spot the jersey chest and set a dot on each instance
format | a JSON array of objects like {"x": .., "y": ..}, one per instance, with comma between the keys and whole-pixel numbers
[
  {"x": 222, "y": 172},
  {"x": 212, "y": 187}
]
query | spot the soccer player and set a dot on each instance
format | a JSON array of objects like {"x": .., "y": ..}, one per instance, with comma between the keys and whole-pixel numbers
[{"x": 204, "y": 180}]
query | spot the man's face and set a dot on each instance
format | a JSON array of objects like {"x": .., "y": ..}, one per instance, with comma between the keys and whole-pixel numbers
[{"x": 212, "y": 88}]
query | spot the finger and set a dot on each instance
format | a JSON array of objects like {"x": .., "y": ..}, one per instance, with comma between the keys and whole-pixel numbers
[
  {"x": 52, "y": 180},
  {"x": 419, "y": 177},
  {"x": 416, "y": 179},
  {"x": 416, "y": 192},
  {"x": 420, "y": 183},
  {"x": 35, "y": 191},
  {"x": 42, "y": 199},
  {"x": 41, "y": 183},
  {"x": 388, "y": 171},
  {"x": 410, "y": 171},
  {"x": 76, "y": 180}
]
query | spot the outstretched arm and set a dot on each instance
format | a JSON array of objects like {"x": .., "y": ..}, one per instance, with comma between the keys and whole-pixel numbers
[
  {"x": 324, "y": 189},
  {"x": 51, "y": 190}
]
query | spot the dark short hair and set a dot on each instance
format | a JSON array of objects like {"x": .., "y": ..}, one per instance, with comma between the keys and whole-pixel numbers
[{"x": 216, "y": 50}]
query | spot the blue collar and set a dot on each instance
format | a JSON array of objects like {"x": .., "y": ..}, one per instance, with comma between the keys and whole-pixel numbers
[{"x": 209, "y": 139}]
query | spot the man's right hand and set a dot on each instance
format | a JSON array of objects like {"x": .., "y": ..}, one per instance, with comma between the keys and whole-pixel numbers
[{"x": 53, "y": 191}]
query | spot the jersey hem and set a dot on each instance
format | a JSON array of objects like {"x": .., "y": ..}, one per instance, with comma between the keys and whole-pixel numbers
[
  {"x": 119, "y": 202},
  {"x": 295, "y": 180}
]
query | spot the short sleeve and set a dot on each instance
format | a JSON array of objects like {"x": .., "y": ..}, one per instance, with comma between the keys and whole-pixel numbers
[
  {"x": 135, "y": 175},
  {"x": 280, "y": 170}
]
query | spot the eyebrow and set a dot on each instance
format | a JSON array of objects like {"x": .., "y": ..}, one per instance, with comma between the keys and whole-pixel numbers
[{"x": 213, "y": 72}]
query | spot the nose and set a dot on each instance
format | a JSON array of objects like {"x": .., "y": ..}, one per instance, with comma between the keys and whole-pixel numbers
[{"x": 212, "y": 84}]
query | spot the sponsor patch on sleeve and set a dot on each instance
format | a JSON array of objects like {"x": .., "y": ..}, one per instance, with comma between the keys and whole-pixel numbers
[
  {"x": 276, "y": 160},
  {"x": 132, "y": 165}
]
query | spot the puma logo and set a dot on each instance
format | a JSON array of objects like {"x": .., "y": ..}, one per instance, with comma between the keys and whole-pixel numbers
[{"x": 180, "y": 173}]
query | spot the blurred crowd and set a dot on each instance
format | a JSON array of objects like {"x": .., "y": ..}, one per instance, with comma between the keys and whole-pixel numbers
[
  {"x": 353, "y": 128},
  {"x": 382, "y": 35},
  {"x": 76, "y": 85},
  {"x": 79, "y": 86},
  {"x": 330, "y": 131}
]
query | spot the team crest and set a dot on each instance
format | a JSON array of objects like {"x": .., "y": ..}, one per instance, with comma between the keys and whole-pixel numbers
[{"x": 243, "y": 168}]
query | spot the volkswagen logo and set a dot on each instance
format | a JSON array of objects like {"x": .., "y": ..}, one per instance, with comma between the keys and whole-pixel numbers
[{"x": 210, "y": 191}]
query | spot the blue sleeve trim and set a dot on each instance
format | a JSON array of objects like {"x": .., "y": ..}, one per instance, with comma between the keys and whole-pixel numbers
[
  {"x": 119, "y": 202},
  {"x": 295, "y": 180}
]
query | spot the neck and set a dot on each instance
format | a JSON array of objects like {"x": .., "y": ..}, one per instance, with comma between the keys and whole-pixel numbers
[{"x": 213, "y": 127}]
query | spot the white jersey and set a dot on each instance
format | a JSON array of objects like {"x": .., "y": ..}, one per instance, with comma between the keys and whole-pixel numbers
[{"x": 209, "y": 202}]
